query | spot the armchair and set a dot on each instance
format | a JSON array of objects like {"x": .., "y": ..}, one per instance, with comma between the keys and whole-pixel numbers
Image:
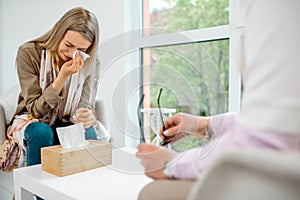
[{"x": 251, "y": 174}]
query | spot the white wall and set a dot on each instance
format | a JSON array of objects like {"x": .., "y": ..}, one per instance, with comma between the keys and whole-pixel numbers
[
  {"x": 1, "y": 52},
  {"x": 24, "y": 20}
]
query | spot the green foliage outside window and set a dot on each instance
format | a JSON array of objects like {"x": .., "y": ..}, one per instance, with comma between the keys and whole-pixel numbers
[{"x": 195, "y": 75}]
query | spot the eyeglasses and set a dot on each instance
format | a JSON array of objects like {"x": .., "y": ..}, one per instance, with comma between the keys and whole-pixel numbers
[
  {"x": 142, "y": 135},
  {"x": 161, "y": 117},
  {"x": 140, "y": 119},
  {"x": 166, "y": 141}
]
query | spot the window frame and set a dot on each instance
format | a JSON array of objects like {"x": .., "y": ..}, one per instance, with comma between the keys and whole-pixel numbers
[{"x": 231, "y": 31}]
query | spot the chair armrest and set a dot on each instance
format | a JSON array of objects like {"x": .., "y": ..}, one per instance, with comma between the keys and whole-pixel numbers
[
  {"x": 101, "y": 112},
  {"x": 250, "y": 174},
  {"x": 8, "y": 105},
  {"x": 2, "y": 124}
]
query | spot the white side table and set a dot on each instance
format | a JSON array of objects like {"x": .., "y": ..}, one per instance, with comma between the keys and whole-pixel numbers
[
  {"x": 122, "y": 180},
  {"x": 154, "y": 120}
]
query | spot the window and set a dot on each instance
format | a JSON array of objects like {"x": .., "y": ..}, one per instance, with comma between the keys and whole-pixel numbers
[
  {"x": 184, "y": 15},
  {"x": 190, "y": 48},
  {"x": 194, "y": 76}
]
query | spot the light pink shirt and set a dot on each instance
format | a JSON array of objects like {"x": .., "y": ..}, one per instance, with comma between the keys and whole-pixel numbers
[{"x": 230, "y": 135}]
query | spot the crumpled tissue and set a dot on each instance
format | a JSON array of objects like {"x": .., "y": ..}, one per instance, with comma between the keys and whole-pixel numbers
[{"x": 84, "y": 55}]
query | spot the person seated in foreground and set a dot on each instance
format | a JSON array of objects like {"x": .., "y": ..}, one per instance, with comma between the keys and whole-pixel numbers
[{"x": 270, "y": 112}]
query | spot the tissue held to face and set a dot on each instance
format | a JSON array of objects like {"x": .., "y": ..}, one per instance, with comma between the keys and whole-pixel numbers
[
  {"x": 71, "y": 42},
  {"x": 83, "y": 55}
]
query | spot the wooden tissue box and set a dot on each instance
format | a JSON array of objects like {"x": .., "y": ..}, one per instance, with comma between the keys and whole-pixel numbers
[{"x": 62, "y": 162}]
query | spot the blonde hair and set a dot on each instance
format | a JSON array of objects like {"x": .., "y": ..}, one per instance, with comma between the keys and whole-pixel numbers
[{"x": 77, "y": 19}]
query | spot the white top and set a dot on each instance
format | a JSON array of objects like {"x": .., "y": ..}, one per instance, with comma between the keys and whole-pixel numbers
[{"x": 271, "y": 99}]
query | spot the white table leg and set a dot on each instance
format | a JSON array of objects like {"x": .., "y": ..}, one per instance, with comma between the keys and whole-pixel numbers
[{"x": 22, "y": 194}]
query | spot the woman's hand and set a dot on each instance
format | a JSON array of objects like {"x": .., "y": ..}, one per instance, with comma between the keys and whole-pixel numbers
[
  {"x": 85, "y": 116},
  {"x": 67, "y": 69},
  {"x": 182, "y": 124},
  {"x": 153, "y": 158},
  {"x": 72, "y": 66}
]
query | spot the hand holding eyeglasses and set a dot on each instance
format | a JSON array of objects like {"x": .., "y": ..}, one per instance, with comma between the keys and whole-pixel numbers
[
  {"x": 181, "y": 124},
  {"x": 177, "y": 126}
]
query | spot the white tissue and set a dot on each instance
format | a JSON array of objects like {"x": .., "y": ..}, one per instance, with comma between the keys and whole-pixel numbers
[
  {"x": 84, "y": 55},
  {"x": 72, "y": 136}
]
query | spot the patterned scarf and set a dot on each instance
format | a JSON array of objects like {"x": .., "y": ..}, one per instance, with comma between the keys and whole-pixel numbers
[
  {"x": 11, "y": 150},
  {"x": 71, "y": 92}
]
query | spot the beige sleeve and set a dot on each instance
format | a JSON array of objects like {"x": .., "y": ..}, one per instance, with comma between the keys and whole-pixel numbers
[{"x": 36, "y": 102}]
